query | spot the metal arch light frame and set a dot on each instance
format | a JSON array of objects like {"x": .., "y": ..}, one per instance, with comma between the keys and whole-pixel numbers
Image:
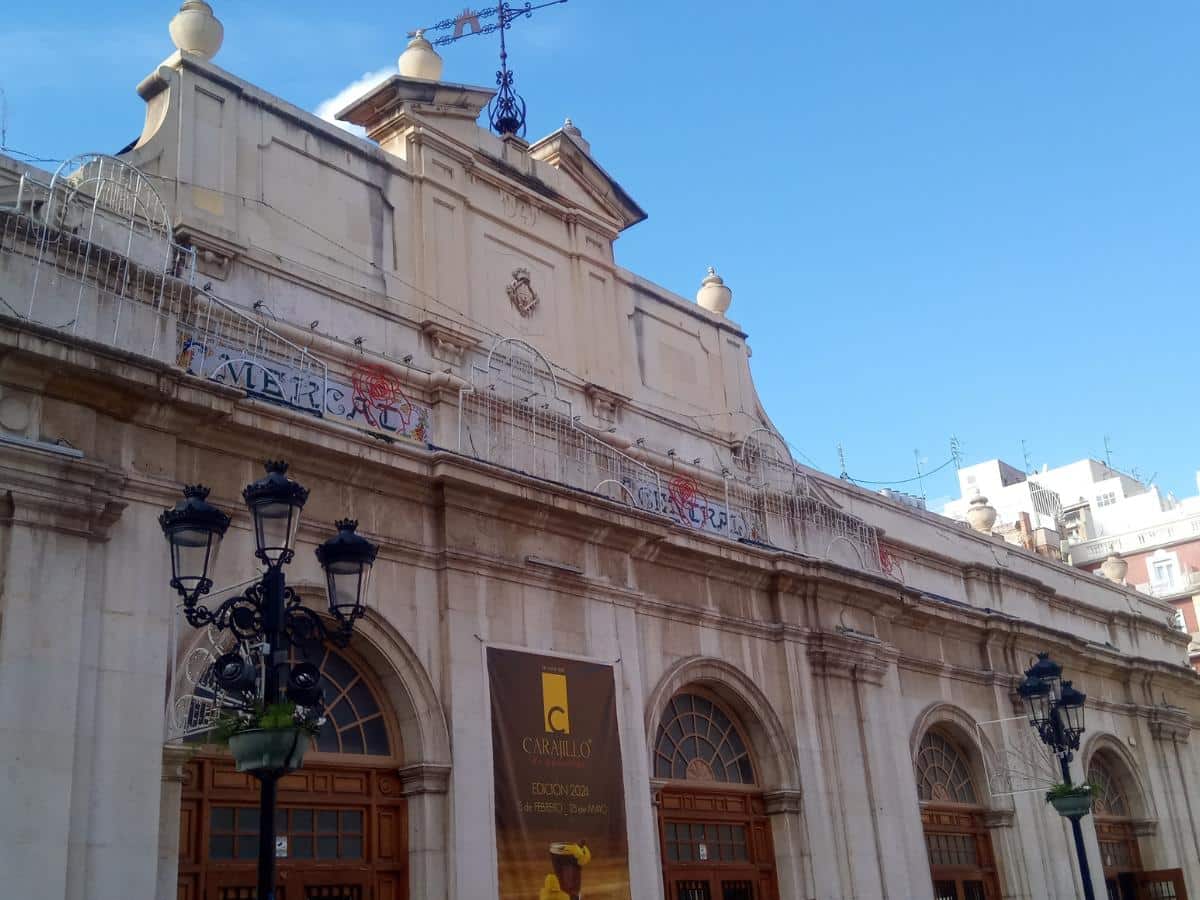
[
  {"x": 521, "y": 380},
  {"x": 146, "y": 212},
  {"x": 68, "y": 173}
]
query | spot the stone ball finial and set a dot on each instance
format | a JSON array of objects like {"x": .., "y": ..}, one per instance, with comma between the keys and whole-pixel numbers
[
  {"x": 713, "y": 294},
  {"x": 980, "y": 515},
  {"x": 196, "y": 30},
  {"x": 420, "y": 60},
  {"x": 1114, "y": 569}
]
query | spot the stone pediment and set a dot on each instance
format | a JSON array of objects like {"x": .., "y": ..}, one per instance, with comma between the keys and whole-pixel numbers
[
  {"x": 566, "y": 151},
  {"x": 559, "y": 167}
]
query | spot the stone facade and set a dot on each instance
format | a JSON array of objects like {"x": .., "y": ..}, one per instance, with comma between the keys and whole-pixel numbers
[{"x": 838, "y": 625}]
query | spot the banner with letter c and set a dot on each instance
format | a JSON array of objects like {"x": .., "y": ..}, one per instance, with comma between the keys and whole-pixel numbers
[{"x": 560, "y": 793}]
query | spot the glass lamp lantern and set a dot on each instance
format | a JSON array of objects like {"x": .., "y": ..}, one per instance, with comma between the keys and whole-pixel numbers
[
  {"x": 193, "y": 529},
  {"x": 1049, "y": 673},
  {"x": 1070, "y": 713},
  {"x": 275, "y": 502},
  {"x": 1039, "y": 705},
  {"x": 347, "y": 558}
]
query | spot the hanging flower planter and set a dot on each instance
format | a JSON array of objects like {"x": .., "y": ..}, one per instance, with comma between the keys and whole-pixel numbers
[
  {"x": 269, "y": 749},
  {"x": 269, "y": 740},
  {"x": 1070, "y": 802}
]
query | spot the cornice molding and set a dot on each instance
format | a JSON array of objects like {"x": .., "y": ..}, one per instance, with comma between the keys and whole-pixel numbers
[
  {"x": 424, "y": 778},
  {"x": 851, "y": 658},
  {"x": 1170, "y": 725},
  {"x": 70, "y": 496},
  {"x": 784, "y": 802},
  {"x": 999, "y": 818}
]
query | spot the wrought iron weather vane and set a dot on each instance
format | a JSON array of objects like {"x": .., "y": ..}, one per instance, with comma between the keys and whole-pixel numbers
[{"x": 506, "y": 111}]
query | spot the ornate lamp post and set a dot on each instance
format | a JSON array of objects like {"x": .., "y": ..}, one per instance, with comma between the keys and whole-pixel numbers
[
  {"x": 1055, "y": 710},
  {"x": 269, "y": 615}
]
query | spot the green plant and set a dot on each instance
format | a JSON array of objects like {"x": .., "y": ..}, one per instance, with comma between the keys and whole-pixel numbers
[
  {"x": 284, "y": 714},
  {"x": 1069, "y": 790}
]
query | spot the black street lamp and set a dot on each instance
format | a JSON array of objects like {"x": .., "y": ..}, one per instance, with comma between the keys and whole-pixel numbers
[
  {"x": 1055, "y": 710},
  {"x": 269, "y": 614}
]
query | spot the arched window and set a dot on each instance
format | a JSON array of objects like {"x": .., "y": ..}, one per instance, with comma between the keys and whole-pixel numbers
[
  {"x": 1120, "y": 854},
  {"x": 697, "y": 741},
  {"x": 962, "y": 862},
  {"x": 1108, "y": 791},
  {"x": 354, "y": 719},
  {"x": 943, "y": 775}
]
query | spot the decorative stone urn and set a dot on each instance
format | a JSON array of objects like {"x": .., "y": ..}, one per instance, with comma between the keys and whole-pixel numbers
[
  {"x": 269, "y": 749},
  {"x": 420, "y": 60},
  {"x": 196, "y": 30},
  {"x": 713, "y": 294},
  {"x": 980, "y": 515},
  {"x": 1114, "y": 569}
]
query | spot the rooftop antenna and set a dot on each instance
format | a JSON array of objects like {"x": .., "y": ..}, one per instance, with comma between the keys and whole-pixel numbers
[
  {"x": 506, "y": 112},
  {"x": 1025, "y": 455},
  {"x": 920, "y": 476},
  {"x": 845, "y": 476},
  {"x": 3, "y": 118},
  {"x": 956, "y": 451},
  {"x": 1107, "y": 452}
]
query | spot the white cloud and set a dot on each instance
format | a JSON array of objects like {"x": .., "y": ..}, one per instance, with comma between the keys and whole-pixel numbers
[{"x": 327, "y": 109}]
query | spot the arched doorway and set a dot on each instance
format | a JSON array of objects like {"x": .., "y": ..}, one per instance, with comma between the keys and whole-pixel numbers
[
  {"x": 341, "y": 826},
  {"x": 959, "y": 847},
  {"x": 1113, "y": 808},
  {"x": 714, "y": 835}
]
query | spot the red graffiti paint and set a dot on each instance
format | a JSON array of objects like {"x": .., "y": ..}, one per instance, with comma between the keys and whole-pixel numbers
[{"x": 377, "y": 392}]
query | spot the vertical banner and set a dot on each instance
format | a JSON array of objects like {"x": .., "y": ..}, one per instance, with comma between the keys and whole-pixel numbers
[{"x": 560, "y": 795}]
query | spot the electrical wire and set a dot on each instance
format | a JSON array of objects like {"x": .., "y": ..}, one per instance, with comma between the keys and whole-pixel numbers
[
  {"x": 904, "y": 480},
  {"x": 28, "y": 157}
]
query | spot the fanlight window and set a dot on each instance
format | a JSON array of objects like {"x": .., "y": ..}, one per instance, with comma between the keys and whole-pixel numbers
[
  {"x": 943, "y": 775},
  {"x": 1108, "y": 793},
  {"x": 697, "y": 741},
  {"x": 354, "y": 720}
]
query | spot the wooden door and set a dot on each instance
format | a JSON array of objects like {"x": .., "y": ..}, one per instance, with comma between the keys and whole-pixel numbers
[
  {"x": 960, "y": 854},
  {"x": 960, "y": 888},
  {"x": 715, "y": 845},
  {"x": 1165, "y": 884},
  {"x": 711, "y": 884},
  {"x": 341, "y": 832}
]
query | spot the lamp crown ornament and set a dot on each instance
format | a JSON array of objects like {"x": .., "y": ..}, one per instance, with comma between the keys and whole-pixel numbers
[{"x": 275, "y": 482}]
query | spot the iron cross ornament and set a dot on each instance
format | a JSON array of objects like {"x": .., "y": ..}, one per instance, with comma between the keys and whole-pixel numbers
[{"x": 506, "y": 111}]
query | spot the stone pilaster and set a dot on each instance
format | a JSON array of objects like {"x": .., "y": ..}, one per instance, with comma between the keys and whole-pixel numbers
[
  {"x": 52, "y": 510},
  {"x": 426, "y": 787},
  {"x": 174, "y": 758}
]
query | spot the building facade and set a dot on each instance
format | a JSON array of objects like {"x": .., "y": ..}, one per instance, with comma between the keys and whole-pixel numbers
[
  {"x": 813, "y": 685},
  {"x": 1098, "y": 519}
]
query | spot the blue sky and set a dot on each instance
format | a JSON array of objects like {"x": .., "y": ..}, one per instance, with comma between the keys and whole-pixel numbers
[{"x": 938, "y": 218}]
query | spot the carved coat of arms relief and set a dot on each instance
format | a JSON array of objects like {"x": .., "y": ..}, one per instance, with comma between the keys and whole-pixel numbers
[{"x": 521, "y": 293}]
